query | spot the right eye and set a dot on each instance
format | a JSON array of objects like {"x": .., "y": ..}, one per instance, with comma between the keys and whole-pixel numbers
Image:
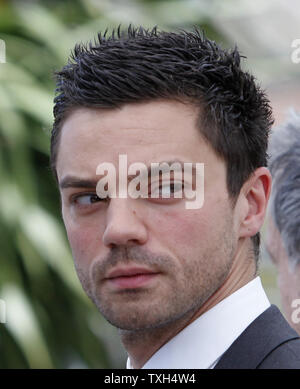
[{"x": 167, "y": 189}]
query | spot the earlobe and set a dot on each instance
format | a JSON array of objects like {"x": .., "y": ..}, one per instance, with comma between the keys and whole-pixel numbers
[{"x": 256, "y": 192}]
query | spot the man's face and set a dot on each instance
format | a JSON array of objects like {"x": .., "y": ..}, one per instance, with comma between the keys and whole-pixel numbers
[{"x": 186, "y": 253}]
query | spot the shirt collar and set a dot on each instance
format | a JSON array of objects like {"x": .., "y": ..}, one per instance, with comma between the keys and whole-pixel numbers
[{"x": 201, "y": 344}]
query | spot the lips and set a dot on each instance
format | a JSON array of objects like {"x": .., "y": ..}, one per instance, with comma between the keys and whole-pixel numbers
[
  {"x": 130, "y": 277},
  {"x": 129, "y": 271}
]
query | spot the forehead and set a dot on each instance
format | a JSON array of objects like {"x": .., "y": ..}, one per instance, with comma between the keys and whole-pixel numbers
[{"x": 146, "y": 132}]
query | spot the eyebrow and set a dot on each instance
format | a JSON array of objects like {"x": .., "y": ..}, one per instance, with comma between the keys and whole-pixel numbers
[{"x": 76, "y": 182}]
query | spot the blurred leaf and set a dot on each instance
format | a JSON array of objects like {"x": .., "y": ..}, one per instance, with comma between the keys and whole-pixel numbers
[{"x": 22, "y": 323}]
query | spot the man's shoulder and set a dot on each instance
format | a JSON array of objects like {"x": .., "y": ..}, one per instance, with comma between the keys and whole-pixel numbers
[
  {"x": 268, "y": 342},
  {"x": 285, "y": 356}
]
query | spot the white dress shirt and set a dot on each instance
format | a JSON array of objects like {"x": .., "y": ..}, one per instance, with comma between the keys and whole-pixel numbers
[{"x": 202, "y": 343}]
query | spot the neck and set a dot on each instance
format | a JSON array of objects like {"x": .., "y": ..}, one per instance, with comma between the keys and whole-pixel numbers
[{"x": 141, "y": 345}]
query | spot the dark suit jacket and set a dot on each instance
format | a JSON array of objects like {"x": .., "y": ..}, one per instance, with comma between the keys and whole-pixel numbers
[{"x": 267, "y": 343}]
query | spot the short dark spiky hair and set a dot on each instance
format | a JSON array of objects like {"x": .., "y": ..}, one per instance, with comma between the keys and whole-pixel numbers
[{"x": 139, "y": 65}]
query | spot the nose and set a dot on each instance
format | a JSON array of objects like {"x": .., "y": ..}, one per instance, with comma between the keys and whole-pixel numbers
[{"x": 124, "y": 225}]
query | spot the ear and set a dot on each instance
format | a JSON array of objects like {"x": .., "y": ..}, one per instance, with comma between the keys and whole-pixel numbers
[{"x": 255, "y": 195}]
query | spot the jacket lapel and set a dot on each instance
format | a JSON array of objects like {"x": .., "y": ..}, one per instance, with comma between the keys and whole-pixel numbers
[{"x": 264, "y": 334}]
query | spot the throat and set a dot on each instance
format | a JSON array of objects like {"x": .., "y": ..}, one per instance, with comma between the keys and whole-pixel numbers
[{"x": 141, "y": 345}]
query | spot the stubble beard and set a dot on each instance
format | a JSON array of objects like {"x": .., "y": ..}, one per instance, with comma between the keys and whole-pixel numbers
[{"x": 136, "y": 310}]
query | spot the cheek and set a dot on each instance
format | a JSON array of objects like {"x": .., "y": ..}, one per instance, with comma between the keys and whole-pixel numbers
[
  {"x": 182, "y": 230},
  {"x": 84, "y": 242}
]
